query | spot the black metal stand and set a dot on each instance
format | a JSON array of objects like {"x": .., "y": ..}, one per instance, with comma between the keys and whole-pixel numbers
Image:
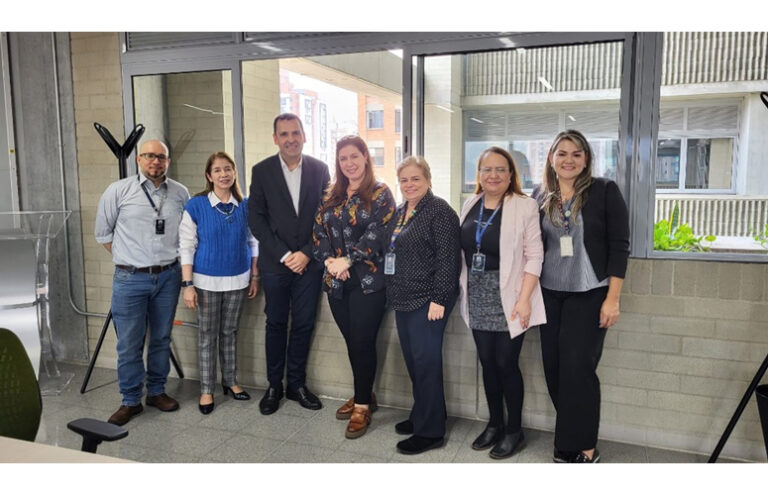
[
  {"x": 740, "y": 409},
  {"x": 122, "y": 152}
]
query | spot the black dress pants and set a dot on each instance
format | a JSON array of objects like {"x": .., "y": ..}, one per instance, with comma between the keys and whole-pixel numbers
[
  {"x": 359, "y": 316},
  {"x": 502, "y": 379},
  {"x": 571, "y": 346},
  {"x": 297, "y": 295},
  {"x": 422, "y": 343}
]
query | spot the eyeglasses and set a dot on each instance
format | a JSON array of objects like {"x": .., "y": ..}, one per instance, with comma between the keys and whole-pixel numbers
[
  {"x": 151, "y": 156},
  {"x": 498, "y": 170}
]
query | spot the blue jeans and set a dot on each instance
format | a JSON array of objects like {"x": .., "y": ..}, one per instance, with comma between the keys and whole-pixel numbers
[
  {"x": 297, "y": 295},
  {"x": 141, "y": 300}
]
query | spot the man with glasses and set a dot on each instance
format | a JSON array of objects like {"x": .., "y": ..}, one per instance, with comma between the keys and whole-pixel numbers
[
  {"x": 138, "y": 223},
  {"x": 286, "y": 190}
]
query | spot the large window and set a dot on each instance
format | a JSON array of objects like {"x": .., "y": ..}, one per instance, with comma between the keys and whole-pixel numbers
[{"x": 711, "y": 191}]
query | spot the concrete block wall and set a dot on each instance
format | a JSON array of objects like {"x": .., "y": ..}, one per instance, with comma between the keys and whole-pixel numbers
[{"x": 689, "y": 340}]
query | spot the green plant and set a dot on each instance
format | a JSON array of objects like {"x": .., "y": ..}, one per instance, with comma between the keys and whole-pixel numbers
[
  {"x": 762, "y": 237},
  {"x": 671, "y": 235}
]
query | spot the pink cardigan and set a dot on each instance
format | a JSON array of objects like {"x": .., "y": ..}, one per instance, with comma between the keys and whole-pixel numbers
[{"x": 520, "y": 251}]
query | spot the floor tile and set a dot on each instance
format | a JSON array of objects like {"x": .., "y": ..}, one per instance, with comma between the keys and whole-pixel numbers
[
  {"x": 243, "y": 448},
  {"x": 294, "y": 452}
]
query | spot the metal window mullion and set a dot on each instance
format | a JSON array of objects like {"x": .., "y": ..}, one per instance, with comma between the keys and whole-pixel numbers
[
  {"x": 420, "y": 101},
  {"x": 407, "y": 119},
  {"x": 237, "y": 119}
]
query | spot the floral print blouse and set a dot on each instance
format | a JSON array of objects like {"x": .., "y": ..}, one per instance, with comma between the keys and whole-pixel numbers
[{"x": 348, "y": 229}]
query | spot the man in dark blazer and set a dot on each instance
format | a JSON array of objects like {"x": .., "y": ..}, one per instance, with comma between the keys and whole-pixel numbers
[{"x": 286, "y": 190}]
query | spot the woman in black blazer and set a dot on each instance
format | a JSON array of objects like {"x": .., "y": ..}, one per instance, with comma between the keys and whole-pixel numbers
[{"x": 585, "y": 230}]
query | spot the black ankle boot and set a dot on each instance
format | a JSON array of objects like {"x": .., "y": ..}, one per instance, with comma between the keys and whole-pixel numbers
[
  {"x": 507, "y": 445},
  {"x": 488, "y": 437}
]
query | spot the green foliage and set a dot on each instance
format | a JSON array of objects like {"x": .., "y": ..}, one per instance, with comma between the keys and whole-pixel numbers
[
  {"x": 762, "y": 237},
  {"x": 671, "y": 235}
]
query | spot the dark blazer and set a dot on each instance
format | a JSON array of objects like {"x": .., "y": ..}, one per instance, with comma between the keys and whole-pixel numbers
[
  {"x": 272, "y": 218},
  {"x": 606, "y": 227}
]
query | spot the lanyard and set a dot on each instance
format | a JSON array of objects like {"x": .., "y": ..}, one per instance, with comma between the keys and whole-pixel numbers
[
  {"x": 155, "y": 207},
  {"x": 565, "y": 215},
  {"x": 399, "y": 227},
  {"x": 480, "y": 228}
]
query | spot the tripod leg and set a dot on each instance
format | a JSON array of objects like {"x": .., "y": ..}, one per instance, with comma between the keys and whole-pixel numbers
[
  {"x": 96, "y": 352},
  {"x": 176, "y": 365},
  {"x": 739, "y": 410}
]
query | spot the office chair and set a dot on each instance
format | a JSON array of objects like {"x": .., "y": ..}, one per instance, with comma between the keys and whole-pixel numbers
[{"x": 21, "y": 404}]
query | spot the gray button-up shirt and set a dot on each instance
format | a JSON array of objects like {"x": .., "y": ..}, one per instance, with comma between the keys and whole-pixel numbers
[{"x": 127, "y": 220}]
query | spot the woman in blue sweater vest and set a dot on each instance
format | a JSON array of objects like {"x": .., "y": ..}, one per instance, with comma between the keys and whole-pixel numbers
[{"x": 218, "y": 266}]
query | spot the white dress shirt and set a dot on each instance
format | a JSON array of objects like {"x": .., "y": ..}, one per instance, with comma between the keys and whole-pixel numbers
[{"x": 293, "y": 181}]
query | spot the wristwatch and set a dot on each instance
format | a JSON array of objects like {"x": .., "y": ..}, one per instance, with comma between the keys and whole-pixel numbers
[{"x": 187, "y": 283}]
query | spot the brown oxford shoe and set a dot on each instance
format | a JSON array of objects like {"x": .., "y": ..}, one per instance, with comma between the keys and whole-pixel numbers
[
  {"x": 124, "y": 414},
  {"x": 163, "y": 402},
  {"x": 358, "y": 422},
  {"x": 345, "y": 411}
]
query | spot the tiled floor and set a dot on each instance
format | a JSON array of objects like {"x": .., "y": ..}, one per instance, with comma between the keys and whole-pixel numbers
[{"x": 237, "y": 432}]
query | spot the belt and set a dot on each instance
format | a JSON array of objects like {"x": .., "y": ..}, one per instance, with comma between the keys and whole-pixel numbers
[{"x": 148, "y": 269}]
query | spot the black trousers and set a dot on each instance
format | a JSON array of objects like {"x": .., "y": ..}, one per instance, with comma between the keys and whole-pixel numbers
[
  {"x": 571, "y": 346},
  {"x": 298, "y": 295},
  {"x": 422, "y": 344},
  {"x": 359, "y": 316},
  {"x": 502, "y": 379}
]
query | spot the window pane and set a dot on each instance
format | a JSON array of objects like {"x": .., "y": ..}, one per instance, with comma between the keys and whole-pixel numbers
[
  {"x": 709, "y": 170},
  {"x": 333, "y": 95},
  {"x": 668, "y": 164},
  {"x": 519, "y": 100},
  {"x": 192, "y": 113}
]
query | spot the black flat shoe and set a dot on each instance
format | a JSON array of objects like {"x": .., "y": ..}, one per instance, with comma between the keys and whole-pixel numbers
[
  {"x": 507, "y": 446},
  {"x": 205, "y": 408},
  {"x": 416, "y": 444},
  {"x": 271, "y": 400},
  {"x": 304, "y": 397},
  {"x": 581, "y": 458},
  {"x": 404, "y": 427},
  {"x": 236, "y": 395}
]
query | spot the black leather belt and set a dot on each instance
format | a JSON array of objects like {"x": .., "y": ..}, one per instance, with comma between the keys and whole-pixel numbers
[{"x": 148, "y": 269}]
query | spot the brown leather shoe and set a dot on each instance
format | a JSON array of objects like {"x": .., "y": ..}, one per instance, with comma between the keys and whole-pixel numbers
[
  {"x": 124, "y": 414},
  {"x": 163, "y": 402},
  {"x": 358, "y": 423},
  {"x": 345, "y": 411}
]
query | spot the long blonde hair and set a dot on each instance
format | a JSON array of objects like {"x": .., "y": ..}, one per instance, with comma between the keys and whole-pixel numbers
[{"x": 550, "y": 185}]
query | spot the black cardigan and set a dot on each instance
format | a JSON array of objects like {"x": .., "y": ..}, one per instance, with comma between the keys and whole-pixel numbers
[{"x": 606, "y": 227}]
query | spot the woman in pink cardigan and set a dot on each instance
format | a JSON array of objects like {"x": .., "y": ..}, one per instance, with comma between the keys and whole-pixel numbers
[{"x": 500, "y": 293}]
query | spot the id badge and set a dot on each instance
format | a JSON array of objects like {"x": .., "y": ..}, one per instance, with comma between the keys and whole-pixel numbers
[
  {"x": 566, "y": 246},
  {"x": 160, "y": 226},
  {"x": 389, "y": 264},
  {"x": 478, "y": 263}
]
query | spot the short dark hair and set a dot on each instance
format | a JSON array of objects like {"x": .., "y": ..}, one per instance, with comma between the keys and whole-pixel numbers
[{"x": 286, "y": 116}]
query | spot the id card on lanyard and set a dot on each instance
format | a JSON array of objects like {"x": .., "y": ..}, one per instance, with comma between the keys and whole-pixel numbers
[
  {"x": 389, "y": 258},
  {"x": 159, "y": 222},
  {"x": 478, "y": 259},
  {"x": 566, "y": 241}
]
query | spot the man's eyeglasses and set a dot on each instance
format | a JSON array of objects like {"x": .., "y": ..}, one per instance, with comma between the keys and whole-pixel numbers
[{"x": 151, "y": 156}]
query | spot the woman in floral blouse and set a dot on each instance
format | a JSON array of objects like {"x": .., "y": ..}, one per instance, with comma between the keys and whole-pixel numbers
[{"x": 347, "y": 233}]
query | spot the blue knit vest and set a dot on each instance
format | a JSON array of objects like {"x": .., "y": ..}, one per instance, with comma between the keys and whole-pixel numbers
[{"x": 222, "y": 246}]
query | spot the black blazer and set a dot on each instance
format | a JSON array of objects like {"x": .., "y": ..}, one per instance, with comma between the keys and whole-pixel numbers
[
  {"x": 272, "y": 218},
  {"x": 606, "y": 228}
]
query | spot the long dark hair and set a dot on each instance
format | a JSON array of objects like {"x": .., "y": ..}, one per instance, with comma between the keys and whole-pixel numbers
[
  {"x": 514, "y": 180},
  {"x": 234, "y": 188},
  {"x": 337, "y": 191},
  {"x": 550, "y": 185}
]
